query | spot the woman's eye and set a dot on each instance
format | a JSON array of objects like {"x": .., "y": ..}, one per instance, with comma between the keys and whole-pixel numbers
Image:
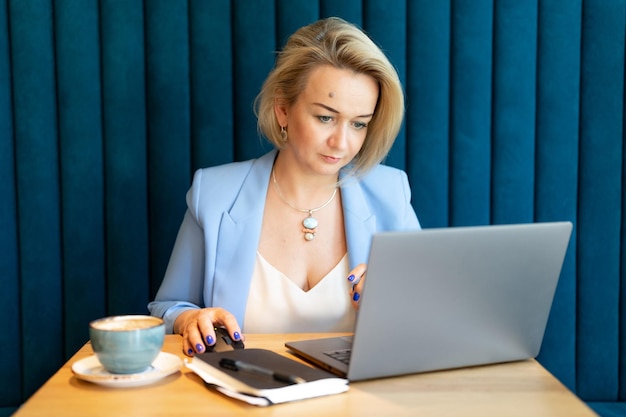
[
  {"x": 325, "y": 119},
  {"x": 360, "y": 125}
]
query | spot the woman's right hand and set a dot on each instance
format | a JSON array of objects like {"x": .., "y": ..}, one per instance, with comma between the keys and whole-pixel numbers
[{"x": 197, "y": 327}]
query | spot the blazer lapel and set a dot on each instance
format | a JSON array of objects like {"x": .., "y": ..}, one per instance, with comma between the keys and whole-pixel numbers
[
  {"x": 359, "y": 222},
  {"x": 238, "y": 239}
]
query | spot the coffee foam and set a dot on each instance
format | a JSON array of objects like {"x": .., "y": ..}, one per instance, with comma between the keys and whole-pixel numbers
[{"x": 126, "y": 323}]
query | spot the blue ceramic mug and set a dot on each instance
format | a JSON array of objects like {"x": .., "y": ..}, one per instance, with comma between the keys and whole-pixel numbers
[{"x": 127, "y": 344}]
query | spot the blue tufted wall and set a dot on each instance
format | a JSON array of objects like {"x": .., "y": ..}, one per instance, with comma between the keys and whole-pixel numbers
[{"x": 515, "y": 113}]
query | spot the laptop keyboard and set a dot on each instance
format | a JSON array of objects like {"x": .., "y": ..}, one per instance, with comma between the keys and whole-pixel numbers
[{"x": 342, "y": 355}]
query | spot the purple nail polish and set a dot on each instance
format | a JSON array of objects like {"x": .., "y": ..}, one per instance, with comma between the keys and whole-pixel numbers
[
  {"x": 356, "y": 297},
  {"x": 209, "y": 340},
  {"x": 351, "y": 278},
  {"x": 189, "y": 351},
  {"x": 199, "y": 347},
  {"x": 237, "y": 336}
]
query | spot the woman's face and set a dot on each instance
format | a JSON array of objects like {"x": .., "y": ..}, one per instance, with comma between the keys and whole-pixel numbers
[{"x": 328, "y": 122}]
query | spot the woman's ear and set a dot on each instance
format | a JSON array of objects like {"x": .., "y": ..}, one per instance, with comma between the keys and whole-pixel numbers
[{"x": 280, "y": 109}]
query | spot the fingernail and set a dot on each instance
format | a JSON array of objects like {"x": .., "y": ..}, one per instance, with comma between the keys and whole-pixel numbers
[
  {"x": 237, "y": 336},
  {"x": 199, "y": 347},
  {"x": 351, "y": 278},
  {"x": 209, "y": 340},
  {"x": 189, "y": 351},
  {"x": 356, "y": 297}
]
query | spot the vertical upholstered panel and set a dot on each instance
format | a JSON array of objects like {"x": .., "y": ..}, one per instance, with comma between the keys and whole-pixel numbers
[
  {"x": 254, "y": 41},
  {"x": 38, "y": 189},
  {"x": 556, "y": 173},
  {"x": 350, "y": 10},
  {"x": 385, "y": 22},
  {"x": 211, "y": 67},
  {"x": 428, "y": 103},
  {"x": 470, "y": 118},
  {"x": 80, "y": 140},
  {"x": 513, "y": 125},
  {"x": 169, "y": 145},
  {"x": 600, "y": 200},
  {"x": 125, "y": 157},
  {"x": 9, "y": 271},
  {"x": 291, "y": 15},
  {"x": 622, "y": 289}
]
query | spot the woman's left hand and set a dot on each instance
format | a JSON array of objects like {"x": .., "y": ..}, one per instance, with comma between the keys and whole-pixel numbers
[{"x": 356, "y": 278}]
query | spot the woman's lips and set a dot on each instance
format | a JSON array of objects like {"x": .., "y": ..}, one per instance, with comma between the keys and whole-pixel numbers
[{"x": 331, "y": 159}]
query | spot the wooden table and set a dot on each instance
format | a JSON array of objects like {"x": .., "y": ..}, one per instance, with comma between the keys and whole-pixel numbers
[{"x": 514, "y": 389}]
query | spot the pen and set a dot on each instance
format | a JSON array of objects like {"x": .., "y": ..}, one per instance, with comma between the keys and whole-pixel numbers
[{"x": 235, "y": 365}]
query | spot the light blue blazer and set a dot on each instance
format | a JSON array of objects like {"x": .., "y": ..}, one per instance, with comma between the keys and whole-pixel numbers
[{"x": 213, "y": 258}]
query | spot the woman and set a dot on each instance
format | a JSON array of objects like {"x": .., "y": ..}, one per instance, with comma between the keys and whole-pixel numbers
[{"x": 268, "y": 243}]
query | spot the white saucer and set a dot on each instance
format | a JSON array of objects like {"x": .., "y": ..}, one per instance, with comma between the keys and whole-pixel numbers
[{"x": 90, "y": 369}]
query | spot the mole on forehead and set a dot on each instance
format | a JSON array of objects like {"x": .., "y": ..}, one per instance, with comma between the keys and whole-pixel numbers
[{"x": 331, "y": 94}]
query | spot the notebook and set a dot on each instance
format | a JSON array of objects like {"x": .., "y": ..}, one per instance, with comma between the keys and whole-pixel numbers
[
  {"x": 448, "y": 298},
  {"x": 262, "y": 377}
]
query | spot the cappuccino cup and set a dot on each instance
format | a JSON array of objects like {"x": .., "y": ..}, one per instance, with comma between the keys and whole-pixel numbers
[{"x": 127, "y": 344}]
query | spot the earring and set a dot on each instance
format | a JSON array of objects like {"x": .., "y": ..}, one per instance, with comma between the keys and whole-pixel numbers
[{"x": 283, "y": 133}]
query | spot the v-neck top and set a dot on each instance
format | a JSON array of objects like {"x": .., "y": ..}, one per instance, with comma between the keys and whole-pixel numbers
[{"x": 277, "y": 305}]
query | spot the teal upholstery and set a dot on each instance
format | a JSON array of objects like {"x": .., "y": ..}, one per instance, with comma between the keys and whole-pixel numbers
[
  {"x": 609, "y": 408},
  {"x": 9, "y": 295},
  {"x": 515, "y": 113}
]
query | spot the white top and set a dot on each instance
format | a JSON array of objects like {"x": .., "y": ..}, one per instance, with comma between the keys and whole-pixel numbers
[{"x": 277, "y": 305}]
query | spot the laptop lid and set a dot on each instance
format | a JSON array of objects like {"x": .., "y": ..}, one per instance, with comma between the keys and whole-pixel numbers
[{"x": 452, "y": 297}]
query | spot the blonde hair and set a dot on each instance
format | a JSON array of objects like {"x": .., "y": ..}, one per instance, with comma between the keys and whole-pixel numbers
[{"x": 334, "y": 42}]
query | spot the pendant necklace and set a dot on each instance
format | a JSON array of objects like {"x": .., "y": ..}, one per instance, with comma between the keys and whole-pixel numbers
[{"x": 310, "y": 223}]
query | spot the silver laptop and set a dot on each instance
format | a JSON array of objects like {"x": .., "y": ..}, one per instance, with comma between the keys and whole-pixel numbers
[{"x": 449, "y": 298}]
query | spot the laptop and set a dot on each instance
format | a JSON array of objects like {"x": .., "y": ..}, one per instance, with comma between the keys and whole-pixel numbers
[{"x": 448, "y": 298}]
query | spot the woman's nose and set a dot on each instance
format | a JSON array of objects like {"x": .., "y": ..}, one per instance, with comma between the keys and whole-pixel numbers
[{"x": 339, "y": 136}]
